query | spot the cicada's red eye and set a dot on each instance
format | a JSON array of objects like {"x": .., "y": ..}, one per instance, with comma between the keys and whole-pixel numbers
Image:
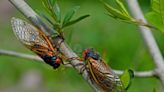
[
  {"x": 58, "y": 60},
  {"x": 84, "y": 55}
]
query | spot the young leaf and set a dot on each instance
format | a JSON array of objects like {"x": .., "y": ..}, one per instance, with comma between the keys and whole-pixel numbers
[
  {"x": 46, "y": 18},
  {"x": 156, "y": 17},
  {"x": 45, "y": 4},
  {"x": 52, "y": 2},
  {"x": 122, "y": 7},
  {"x": 158, "y": 7},
  {"x": 56, "y": 10},
  {"x": 116, "y": 13},
  {"x": 126, "y": 78},
  {"x": 75, "y": 21},
  {"x": 70, "y": 14}
]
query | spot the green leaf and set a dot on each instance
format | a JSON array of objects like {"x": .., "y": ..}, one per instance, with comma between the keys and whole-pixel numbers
[
  {"x": 56, "y": 10},
  {"x": 122, "y": 7},
  {"x": 45, "y": 4},
  {"x": 126, "y": 78},
  {"x": 75, "y": 21},
  {"x": 116, "y": 13},
  {"x": 52, "y": 2},
  {"x": 45, "y": 17},
  {"x": 155, "y": 20},
  {"x": 158, "y": 7},
  {"x": 70, "y": 14},
  {"x": 156, "y": 17}
]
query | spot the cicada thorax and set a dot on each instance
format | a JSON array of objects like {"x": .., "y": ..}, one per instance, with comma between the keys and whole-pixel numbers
[
  {"x": 34, "y": 39},
  {"x": 101, "y": 73}
]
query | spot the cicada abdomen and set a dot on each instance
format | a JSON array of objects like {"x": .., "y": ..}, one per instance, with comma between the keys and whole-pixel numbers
[
  {"x": 37, "y": 41},
  {"x": 101, "y": 73}
]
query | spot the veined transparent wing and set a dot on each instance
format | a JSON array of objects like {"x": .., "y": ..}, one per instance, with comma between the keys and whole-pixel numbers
[
  {"x": 27, "y": 34},
  {"x": 105, "y": 77}
]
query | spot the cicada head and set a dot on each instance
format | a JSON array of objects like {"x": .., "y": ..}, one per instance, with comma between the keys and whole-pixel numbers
[
  {"x": 90, "y": 53},
  {"x": 54, "y": 61}
]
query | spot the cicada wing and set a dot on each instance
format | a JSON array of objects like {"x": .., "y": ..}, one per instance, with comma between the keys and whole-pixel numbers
[
  {"x": 31, "y": 37},
  {"x": 27, "y": 34},
  {"x": 106, "y": 78}
]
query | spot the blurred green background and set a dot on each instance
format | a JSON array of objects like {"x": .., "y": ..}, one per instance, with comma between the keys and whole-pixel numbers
[{"x": 120, "y": 44}]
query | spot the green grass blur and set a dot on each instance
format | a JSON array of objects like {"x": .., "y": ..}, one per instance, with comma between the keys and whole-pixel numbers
[{"x": 120, "y": 44}]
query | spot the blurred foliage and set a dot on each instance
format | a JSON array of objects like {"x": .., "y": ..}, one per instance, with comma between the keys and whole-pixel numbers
[
  {"x": 119, "y": 12},
  {"x": 156, "y": 16},
  {"x": 120, "y": 44}
]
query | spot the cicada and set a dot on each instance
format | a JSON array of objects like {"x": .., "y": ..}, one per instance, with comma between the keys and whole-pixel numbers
[
  {"x": 34, "y": 39},
  {"x": 101, "y": 73}
]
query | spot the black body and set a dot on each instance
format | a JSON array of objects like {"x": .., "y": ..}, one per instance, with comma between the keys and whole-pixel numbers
[{"x": 51, "y": 60}]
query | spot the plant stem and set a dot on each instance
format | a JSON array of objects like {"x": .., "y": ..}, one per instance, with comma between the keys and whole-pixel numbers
[{"x": 38, "y": 59}]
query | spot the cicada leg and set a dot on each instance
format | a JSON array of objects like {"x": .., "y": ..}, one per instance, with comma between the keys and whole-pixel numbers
[
  {"x": 59, "y": 35},
  {"x": 79, "y": 64},
  {"x": 83, "y": 68},
  {"x": 75, "y": 58},
  {"x": 38, "y": 51}
]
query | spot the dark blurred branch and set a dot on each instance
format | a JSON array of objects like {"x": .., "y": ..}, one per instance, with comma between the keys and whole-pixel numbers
[
  {"x": 22, "y": 6},
  {"x": 36, "y": 58},
  {"x": 149, "y": 39}
]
